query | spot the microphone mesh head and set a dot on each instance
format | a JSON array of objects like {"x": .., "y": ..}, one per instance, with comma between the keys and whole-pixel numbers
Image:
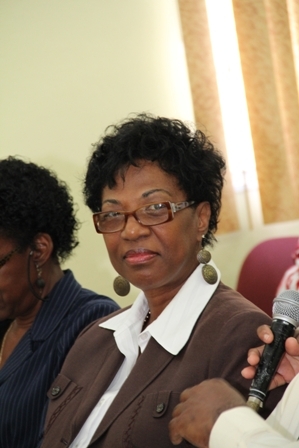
[{"x": 286, "y": 305}]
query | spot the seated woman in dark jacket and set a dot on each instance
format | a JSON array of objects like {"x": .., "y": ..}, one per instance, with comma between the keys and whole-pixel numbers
[{"x": 42, "y": 307}]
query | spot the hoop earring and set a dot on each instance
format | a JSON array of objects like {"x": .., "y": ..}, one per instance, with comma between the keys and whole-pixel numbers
[
  {"x": 121, "y": 286},
  {"x": 209, "y": 273}
]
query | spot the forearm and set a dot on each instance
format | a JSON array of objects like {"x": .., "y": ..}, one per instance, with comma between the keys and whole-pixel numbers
[{"x": 242, "y": 428}]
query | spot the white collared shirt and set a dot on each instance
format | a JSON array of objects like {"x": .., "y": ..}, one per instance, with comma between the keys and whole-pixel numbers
[{"x": 167, "y": 330}]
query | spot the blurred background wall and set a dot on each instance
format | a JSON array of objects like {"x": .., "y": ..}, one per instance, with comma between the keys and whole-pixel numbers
[{"x": 69, "y": 69}]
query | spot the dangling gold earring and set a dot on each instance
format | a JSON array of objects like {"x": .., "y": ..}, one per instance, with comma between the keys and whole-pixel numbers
[
  {"x": 40, "y": 282},
  {"x": 121, "y": 286},
  {"x": 209, "y": 273}
]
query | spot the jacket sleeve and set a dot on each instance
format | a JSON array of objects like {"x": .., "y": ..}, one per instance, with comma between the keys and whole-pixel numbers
[{"x": 235, "y": 337}]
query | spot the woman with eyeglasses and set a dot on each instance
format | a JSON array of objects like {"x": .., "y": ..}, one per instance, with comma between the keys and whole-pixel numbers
[
  {"x": 42, "y": 307},
  {"x": 154, "y": 186}
]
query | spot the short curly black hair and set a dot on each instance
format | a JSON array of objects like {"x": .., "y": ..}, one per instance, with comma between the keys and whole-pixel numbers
[
  {"x": 33, "y": 200},
  {"x": 180, "y": 150}
]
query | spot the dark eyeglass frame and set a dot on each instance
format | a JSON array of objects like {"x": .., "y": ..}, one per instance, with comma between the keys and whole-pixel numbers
[
  {"x": 8, "y": 256},
  {"x": 172, "y": 208}
]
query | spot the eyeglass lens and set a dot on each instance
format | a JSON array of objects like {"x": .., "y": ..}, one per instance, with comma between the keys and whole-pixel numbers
[{"x": 149, "y": 215}]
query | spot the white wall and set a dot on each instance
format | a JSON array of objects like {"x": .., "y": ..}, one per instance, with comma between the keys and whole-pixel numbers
[{"x": 69, "y": 68}]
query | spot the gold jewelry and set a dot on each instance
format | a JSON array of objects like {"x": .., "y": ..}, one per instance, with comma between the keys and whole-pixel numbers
[
  {"x": 40, "y": 282},
  {"x": 209, "y": 273},
  {"x": 203, "y": 256},
  {"x": 121, "y": 286},
  {"x": 146, "y": 319},
  {"x": 3, "y": 341}
]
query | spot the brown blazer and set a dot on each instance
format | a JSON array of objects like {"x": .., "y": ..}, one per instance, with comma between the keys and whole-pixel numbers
[{"x": 140, "y": 413}]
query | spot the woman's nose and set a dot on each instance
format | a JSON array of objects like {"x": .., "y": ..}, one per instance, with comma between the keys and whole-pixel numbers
[{"x": 133, "y": 228}]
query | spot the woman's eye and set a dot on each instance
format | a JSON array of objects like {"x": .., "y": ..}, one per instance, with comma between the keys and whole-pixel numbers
[
  {"x": 109, "y": 215},
  {"x": 159, "y": 206}
]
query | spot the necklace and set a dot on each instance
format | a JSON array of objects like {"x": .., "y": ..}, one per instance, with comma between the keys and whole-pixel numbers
[
  {"x": 3, "y": 342},
  {"x": 146, "y": 319}
]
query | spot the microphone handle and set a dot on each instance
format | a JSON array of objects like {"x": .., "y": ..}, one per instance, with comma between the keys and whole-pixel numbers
[{"x": 269, "y": 361}]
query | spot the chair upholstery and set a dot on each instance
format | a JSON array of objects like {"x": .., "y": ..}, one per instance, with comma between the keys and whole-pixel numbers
[{"x": 263, "y": 269}]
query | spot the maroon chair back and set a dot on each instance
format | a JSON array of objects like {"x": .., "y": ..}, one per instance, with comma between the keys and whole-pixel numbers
[{"x": 263, "y": 269}]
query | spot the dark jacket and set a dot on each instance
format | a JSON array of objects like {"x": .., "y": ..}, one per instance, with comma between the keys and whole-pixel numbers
[
  {"x": 139, "y": 415},
  {"x": 29, "y": 371}
]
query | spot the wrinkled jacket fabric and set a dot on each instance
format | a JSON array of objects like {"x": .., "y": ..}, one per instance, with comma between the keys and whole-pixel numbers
[
  {"x": 139, "y": 415},
  {"x": 28, "y": 373}
]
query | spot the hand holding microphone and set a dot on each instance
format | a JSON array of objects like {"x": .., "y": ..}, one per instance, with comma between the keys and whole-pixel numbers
[{"x": 285, "y": 320}]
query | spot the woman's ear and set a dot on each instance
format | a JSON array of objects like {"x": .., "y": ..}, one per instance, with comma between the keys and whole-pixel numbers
[
  {"x": 204, "y": 213},
  {"x": 42, "y": 248}
]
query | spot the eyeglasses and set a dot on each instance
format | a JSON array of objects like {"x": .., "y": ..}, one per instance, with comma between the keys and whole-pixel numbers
[
  {"x": 8, "y": 256},
  {"x": 149, "y": 215}
]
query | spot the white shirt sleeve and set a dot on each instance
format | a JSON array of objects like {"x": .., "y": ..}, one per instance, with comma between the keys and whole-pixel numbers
[{"x": 241, "y": 427}]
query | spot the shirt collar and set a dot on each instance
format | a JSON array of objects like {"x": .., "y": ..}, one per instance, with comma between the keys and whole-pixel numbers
[{"x": 181, "y": 313}]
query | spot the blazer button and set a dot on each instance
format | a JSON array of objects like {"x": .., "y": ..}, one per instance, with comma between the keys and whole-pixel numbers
[
  {"x": 55, "y": 391},
  {"x": 160, "y": 408}
]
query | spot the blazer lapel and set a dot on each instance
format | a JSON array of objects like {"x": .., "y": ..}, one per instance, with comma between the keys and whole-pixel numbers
[{"x": 146, "y": 369}]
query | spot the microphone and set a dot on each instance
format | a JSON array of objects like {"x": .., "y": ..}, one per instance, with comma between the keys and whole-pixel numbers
[{"x": 285, "y": 320}]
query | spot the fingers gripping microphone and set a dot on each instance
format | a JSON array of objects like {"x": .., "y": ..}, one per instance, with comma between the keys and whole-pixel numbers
[{"x": 285, "y": 320}]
